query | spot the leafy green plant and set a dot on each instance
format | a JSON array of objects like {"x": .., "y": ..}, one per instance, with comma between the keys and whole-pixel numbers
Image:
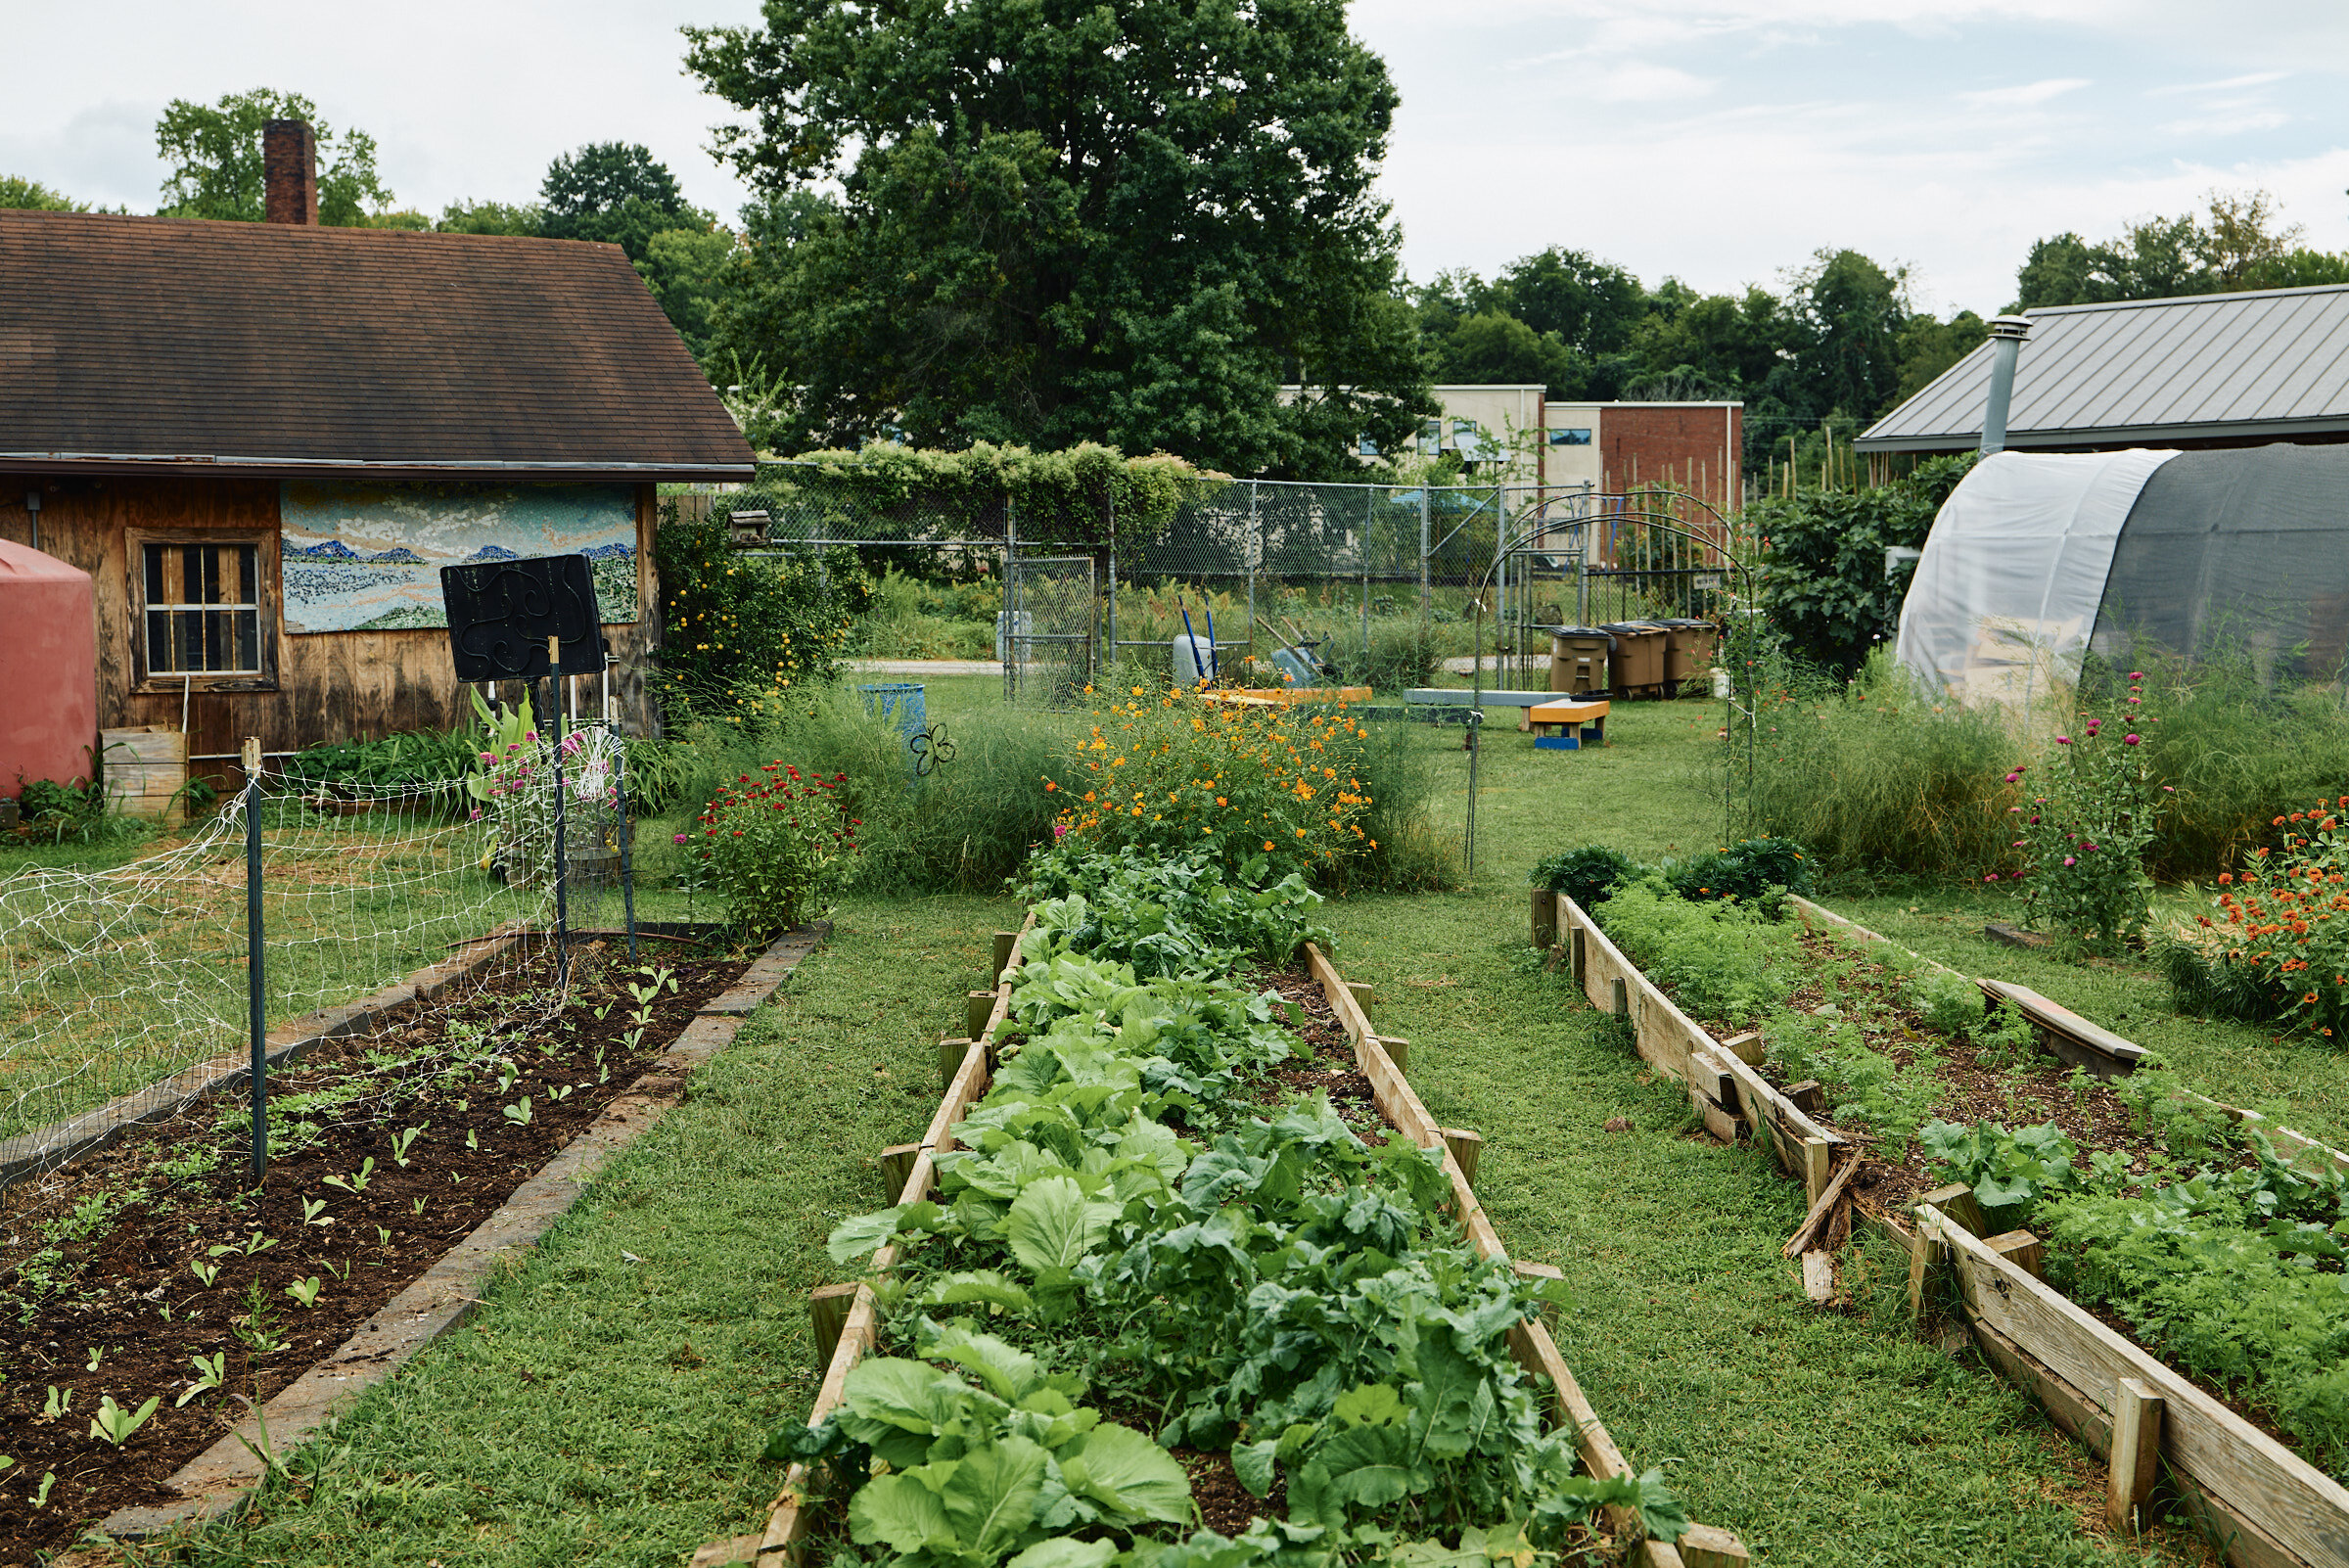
[
  {"x": 1950, "y": 1005},
  {"x": 1176, "y": 915},
  {"x": 357, "y": 1180},
  {"x": 57, "y": 1404},
  {"x": 2011, "y": 1171},
  {"x": 1822, "y": 577},
  {"x": 118, "y": 1425},
  {"x": 519, "y": 1113},
  {"x": 1724, "y": 962},
  {"x": 306, "y": 1291},
  {"x": 1589, "y": 875},
  {"x": 212, "y": 1372},
  {"x": 404, "y": 1140},
  {"x": 205, "y": 1273},
  {"x": 1750, "y": 870}
]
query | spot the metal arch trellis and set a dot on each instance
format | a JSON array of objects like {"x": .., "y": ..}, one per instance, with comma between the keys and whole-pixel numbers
[{"x": 1667, "y": 521}]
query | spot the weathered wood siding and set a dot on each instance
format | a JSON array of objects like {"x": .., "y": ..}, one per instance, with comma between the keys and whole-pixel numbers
[{"x": 338, "y": 685}]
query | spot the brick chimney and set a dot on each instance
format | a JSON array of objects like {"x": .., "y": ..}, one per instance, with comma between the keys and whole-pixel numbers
[{"x": 290, "y": 171}]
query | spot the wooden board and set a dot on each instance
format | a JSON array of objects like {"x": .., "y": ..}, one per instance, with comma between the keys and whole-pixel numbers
[
  {"x": 2238, "y": 1466},
  {"x": 2067, "y": 1035},
  {"x": 1852, "y": 928}
]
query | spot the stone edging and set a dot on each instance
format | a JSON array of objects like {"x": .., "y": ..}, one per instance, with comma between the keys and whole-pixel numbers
[{"x": 444, "y": 1296}]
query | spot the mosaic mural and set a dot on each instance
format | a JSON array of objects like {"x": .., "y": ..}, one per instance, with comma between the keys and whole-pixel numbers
[{"x": 365, "y": 557}]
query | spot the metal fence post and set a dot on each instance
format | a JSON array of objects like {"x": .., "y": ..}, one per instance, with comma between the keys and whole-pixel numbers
[
  {"x": 1369, "y": 518},
  {"x": 257, "y": 985},
  {"x": 554, "y": 699},
  {"x": 628, "y": 836},
  {"x": 1113, "y": 575},
  {"x": 1424, "y": 598},
  {"x": 1255, "y": 550},
  {"x": 1011, "y": 599}
]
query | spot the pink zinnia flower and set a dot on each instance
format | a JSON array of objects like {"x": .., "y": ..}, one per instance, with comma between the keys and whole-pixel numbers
[
  {"x": 2130, "y": 739},
  {"x": 2068, "y": 861}
]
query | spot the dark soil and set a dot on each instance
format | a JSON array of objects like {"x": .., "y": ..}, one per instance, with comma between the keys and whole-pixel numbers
[
  {"x": 1974, "y": 1088},
  {"x": 99, "y": 1260},
  {"x": 1329, "y": 1064}
]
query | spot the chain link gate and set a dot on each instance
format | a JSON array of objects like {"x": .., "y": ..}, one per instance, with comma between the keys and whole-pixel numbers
[{"x": 1046, "y": 635}]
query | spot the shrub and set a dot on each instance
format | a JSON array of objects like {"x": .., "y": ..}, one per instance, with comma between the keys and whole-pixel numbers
[
  {"x": 2084, "y": 838},
  {"x": 1750, "y": 870},
  {"x": 777, "y": 847},
  {"x": 1589, "y": 875},
  {"x": 1265, "y": 791},
  {"x": 740, "y": 631},
  {"x": 1949, "y": 1004},
  {"x": 1823, "y": 580}
]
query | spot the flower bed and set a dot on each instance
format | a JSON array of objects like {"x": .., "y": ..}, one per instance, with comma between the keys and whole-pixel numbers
[
  {"x": 150, "y": 1295},
  {"x": 1159, "y": 1205},
  {"x": 2168, "y": 1216}
]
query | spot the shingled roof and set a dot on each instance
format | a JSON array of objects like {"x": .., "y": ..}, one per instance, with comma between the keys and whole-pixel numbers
[{"x": 132, "y": 344}]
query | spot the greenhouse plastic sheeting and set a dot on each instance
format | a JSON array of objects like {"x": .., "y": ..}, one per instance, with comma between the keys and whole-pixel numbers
[
  {"x": 2244, "y": 551},
  {"x": 2007, "y": 592}
]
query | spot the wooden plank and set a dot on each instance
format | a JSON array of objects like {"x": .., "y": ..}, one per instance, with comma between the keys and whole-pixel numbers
[
  {"x": 1545, "y": 918},
  {"x": 727, "y": 1554},
  {"x": 1466, "y": 1147},
  {"x": 2066, "y": 1033},
  {"x": 1819, "y": 1275},
  {"x": 1580, "y": 962},
  {"x": 979, "y": 1007},
  {"x": 1806, "y": 1235},
  {"x": 1747, "y": 1047},
  {"x": 1398, "y": 1049},
  {"x": 1928, "y": 1261},
  {"x": 1007, "y": 947},
  {"x": 1818, "y": 1158},
  {"x": 952, "y": 1049},
  {"x": 1349, "y": 1014},
  {"x": 2135, "y": 1462},
  {"x": 1807, "y": 1096},
  {"x": 1366, "y": 995},
  {"x": 827, "y": 1313},
  {"x": 2223, "y": 1454}
]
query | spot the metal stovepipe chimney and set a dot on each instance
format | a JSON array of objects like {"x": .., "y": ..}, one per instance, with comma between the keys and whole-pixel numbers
[{"x": 2007, "y": 334}]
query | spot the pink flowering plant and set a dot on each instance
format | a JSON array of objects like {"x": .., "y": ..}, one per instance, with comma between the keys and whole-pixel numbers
[
  {"x": 2088, "y": 814},
  {"x": 777, "y": 846},
  {"x": 513, "y": 788}
]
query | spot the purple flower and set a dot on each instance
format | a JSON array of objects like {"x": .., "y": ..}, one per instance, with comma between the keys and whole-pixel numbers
[
  {"x": 2130, "y": 739},
  {"x": 2016, "y": 811},
  {"x": 2136, "y": 674},
  {"x": 1993, "y": 877},
  {"x": 2013, "y": 777},
  {"x": 2068, "y": 861},
  {"x": 679, "y": 839},
  {"x": 476, "y": 815},
  {"x": 2018, "y": 843},
  {"x": 2063, "y": 740},
  {"x": 2134, "y": 697}
]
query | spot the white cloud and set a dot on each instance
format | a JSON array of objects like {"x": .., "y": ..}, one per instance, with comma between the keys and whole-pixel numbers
[
  {"x": 2257, "y": 79},
  {"x": 2227, "y": 121},
  {"x": 1640, "y": 82},
  {"x": 2026, "y": 96}
]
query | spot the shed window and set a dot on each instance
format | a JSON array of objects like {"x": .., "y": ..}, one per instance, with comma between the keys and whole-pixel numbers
[
  {"x": 204, "y": 609},
  {"x": 1563, "y": 436}
]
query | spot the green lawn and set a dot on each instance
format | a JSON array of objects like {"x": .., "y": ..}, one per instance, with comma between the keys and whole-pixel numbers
[{"x": 603, "y": 1409}]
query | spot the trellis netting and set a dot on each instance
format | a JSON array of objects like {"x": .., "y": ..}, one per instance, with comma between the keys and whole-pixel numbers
[
  {"x": 125, "y": 988},
  {"x": 2038, "y": 559}
]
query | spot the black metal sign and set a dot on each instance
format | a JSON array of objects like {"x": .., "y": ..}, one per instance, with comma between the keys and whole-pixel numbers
[{"x": 500, "y": 613}]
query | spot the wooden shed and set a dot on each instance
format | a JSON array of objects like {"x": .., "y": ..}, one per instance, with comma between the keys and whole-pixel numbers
[{"x": 263, "y": 440}]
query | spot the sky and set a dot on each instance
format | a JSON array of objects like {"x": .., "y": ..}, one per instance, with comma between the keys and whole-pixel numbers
[{"x": 1719, "y": 141}]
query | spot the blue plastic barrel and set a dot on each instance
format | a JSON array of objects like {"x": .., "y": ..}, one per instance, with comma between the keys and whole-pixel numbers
[{"x": 900, "y": 701}]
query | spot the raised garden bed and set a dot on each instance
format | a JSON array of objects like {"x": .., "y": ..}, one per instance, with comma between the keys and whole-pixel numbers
[
  {"x": 148, "y": 1272},
  {"x": 1364, "y": 1076},
  {"x": 2259, "y": 1502}
]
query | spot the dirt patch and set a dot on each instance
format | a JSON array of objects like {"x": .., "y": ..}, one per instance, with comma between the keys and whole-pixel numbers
[
  {"x": 1328, "y": 1064},
  {"x": 107, "y": 1282}
]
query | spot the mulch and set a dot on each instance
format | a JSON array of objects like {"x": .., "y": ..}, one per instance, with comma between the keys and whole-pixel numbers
[{"x": 122, "y": 1291}]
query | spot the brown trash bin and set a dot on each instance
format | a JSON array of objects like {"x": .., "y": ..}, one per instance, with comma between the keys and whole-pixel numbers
[
  {"x": 1578, "y": 659},
  {"x": 1638, "y": 661},
  {"x": 1687, "y": 649}
]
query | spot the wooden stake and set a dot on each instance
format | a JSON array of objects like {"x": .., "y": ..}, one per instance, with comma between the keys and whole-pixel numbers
[
  {"x": 1399, "y": 1052},
  {"x": 1819, "y": 1275},
  {"x": 1807, "y": 1096},
  {"x": 1927, "y": 1257},
  {"x": 1465, "y": 1147},
  {"x": 1546, "y": 918},
  {"x": 1007, "y": 947},
  {"x": 1747, "y": 1047},
  {"x": 2135, "y": 1455},
  {"x": 1619, "y": 998},
  {"x": 1814, "y": 1224},
  {"x": 950, "y": 1052},
  {"x": 979, "y": 1006},
  {"x": 897, "y": 1169},
  {"x": 1957, "y": 1202},
  {"x": 2021, "y": 1249},
  {"x": 1816, "y": 1155},
  {"x": 1582, "y": 959},
  {"x": 827, "y": 1314},
  {"x": 1363, "y": 994},
  {"x": 1711, "y": 1547}
]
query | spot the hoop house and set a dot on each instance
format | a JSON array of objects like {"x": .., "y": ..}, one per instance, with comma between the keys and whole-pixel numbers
[{"x": 2037, "y": 559}]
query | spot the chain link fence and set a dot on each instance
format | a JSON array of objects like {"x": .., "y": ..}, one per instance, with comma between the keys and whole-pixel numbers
[{"x": 1381, "y": 581}]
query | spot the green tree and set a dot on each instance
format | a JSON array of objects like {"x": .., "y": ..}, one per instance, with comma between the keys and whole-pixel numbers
[
  {"x": 214, "y": 155},
  {"x": 1059, "y": 222},
  {"x": 22, "y": 194},
  {"x": 1593, "y": 306},
  {"x": 492, "y": 217},
  {"x": 2236, "y": 243},
  {"x": 1928, "y": 347},
  {"x": 616, "y": 193}
]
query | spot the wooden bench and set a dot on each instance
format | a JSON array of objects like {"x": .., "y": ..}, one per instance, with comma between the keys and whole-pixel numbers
[{"x": 1568, "y": 726}]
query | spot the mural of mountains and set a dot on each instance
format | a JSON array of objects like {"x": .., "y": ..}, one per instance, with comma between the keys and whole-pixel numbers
[
  {"x": 493, "y": 552},
  {"x": 607, "y": 552},
  {"x": 398, "y": 553},
  {"x": 330, "y": 550}
]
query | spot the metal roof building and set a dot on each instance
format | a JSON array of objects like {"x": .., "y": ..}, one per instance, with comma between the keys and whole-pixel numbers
[{"x": 2210, "y": 370}]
